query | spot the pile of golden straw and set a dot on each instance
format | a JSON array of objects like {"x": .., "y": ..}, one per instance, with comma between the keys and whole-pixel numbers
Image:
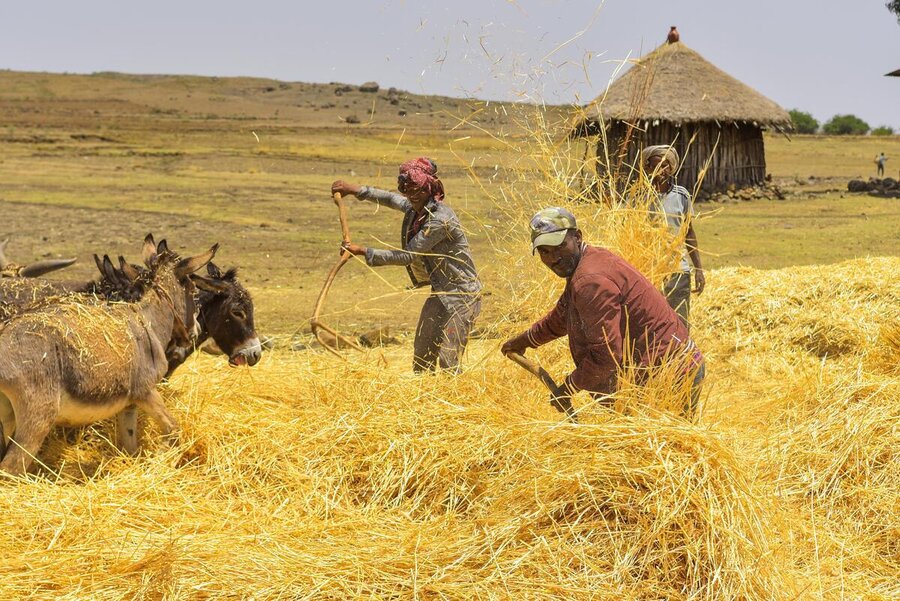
[{"x": 310, "y": 477}]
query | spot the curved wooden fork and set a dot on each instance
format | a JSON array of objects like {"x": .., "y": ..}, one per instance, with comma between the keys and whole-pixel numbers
[{"x": 327, "y": 336}]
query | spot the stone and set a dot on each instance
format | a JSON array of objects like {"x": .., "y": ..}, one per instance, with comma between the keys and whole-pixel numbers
[
  {"x": 377, "y": 337},
  {"x": 857, "y": 185}
]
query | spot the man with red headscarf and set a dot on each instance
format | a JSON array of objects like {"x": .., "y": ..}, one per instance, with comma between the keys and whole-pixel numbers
[{"x": 434, "y": 249}]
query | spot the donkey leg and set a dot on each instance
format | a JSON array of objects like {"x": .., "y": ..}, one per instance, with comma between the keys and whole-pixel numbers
[
  {"x": 154, "y": 407},
  {"x": 126, "y": 430},
  {"x": 32, "y": 428},
  {"x": 7, "y": 422}
]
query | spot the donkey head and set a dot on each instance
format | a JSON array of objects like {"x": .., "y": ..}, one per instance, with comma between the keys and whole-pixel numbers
[
  {"x": 171, "y": 275},
  {"x": 226, "y": 314},
  {"x": 126, "y": 283}
]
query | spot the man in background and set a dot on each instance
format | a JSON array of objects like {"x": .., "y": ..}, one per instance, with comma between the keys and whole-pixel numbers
[
  {"x": 674, "y": 203},
  {"x": 880, "y": 161}
]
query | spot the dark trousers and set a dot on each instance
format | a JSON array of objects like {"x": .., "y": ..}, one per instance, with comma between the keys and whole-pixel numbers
[
  {"x": 677, "y": 290},
  {"x": 443, "y": 332},
  {"x": 696, "y": 386}
]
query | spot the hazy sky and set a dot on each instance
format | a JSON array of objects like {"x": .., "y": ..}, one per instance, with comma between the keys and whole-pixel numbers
[{"x": 822, "y": 56}]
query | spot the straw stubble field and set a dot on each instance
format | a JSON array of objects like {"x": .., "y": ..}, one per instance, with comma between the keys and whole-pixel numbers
[{"x": 311, "y": 477}]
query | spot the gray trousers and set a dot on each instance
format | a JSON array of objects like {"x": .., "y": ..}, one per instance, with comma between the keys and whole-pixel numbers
[
  {"x": 677, "y": 290},
  {"x": 443, "y": 332}
]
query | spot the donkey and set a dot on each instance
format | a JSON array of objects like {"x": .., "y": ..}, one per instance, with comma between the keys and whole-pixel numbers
[
  {"x": 75, "y": 363},
  {"x": 18, "y": 294},
  {"x": 225, "y": 314},
  {"x": 10, "y": 269},
  {"x": 226, "y": 308}
]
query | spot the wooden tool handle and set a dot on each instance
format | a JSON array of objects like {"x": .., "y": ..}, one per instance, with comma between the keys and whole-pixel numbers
[
  {"x": 535, "y": 369},
  {"x": 562, "y": 405},
  {"x": 342, "y": 213}
]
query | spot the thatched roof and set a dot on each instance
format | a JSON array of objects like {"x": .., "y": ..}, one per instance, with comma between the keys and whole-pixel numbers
[{"x": 679, "y": 85}]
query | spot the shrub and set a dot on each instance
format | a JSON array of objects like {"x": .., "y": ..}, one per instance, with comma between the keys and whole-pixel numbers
[
  {"x": 842, "y": 125},
  {"x": 804, "y": 123},
  {"x": 883, "y": 130}
]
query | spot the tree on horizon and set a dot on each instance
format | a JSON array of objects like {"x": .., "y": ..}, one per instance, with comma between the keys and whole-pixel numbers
[{"x": 894, "y": 7}]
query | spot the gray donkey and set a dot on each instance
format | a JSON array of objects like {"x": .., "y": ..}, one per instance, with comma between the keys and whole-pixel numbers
[
  {"x": 74, "y": 362},
  {"x": 226, "y": 308},
  {"x": 225, "y": 311}
]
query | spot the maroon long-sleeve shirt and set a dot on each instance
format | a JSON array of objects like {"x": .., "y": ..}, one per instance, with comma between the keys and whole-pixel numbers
[{"x": 607, "y": 309}]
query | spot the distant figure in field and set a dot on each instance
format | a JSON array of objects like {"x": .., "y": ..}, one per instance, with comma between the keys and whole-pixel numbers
[
  {"x": 435, "y": 251},
  {"x": 880, "y": 160},
  {"x": 674, "y": 202}
]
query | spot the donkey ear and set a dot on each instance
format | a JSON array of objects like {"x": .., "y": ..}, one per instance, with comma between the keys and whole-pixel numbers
[
  {"x": 213, "y": 270},
  {"x": 108, "y": 269},
  {"x": 192, "y": 264},
  {"x": 209, "y": 285},
  {"x": 129, "y": 270},
  {"x": 41, "y": 267},
  {"x": 99, "y": 263},
  {"x": 148, "y": 250}
]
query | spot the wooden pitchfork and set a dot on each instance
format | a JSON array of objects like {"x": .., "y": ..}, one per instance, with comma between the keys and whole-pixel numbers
[
  {"x": 563, "y": 406},
  {"x": 328, "y": 337}
]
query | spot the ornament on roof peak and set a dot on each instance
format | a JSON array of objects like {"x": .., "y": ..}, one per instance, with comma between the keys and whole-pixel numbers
[{"x": 673, "y": 36}]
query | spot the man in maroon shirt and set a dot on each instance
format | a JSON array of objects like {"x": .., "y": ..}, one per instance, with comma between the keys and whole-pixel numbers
[{"x": 610, "y": 312}]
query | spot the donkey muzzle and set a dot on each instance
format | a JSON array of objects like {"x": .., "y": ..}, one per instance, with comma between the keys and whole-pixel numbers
[{"x": 248, "y": 353}]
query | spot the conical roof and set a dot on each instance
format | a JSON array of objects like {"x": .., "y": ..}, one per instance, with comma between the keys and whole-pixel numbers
[{"x": 674, "y": 83}]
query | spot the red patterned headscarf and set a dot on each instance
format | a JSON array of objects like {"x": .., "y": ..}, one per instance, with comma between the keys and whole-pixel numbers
[{"x": 420, "y": 174}]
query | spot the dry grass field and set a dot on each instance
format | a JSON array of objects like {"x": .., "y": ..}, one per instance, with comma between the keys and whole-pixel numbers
[
  {"x": 92, "y": 163},
  {"x": 311, "y": 477}
]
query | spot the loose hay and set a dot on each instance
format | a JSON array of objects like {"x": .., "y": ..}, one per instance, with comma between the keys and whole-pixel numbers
[
  {"x": 376, "y": 483},
  {"x": 307, "y": 476}
]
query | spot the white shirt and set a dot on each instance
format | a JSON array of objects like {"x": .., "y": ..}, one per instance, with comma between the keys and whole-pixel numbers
[{"x": 677, "y": 206}]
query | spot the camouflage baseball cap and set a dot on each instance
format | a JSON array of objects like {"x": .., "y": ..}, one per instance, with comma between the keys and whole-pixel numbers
[{"x": 549, "y": 227}]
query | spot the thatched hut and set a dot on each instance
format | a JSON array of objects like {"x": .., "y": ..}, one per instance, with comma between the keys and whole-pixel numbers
[{"x": 674, "y": 96}]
